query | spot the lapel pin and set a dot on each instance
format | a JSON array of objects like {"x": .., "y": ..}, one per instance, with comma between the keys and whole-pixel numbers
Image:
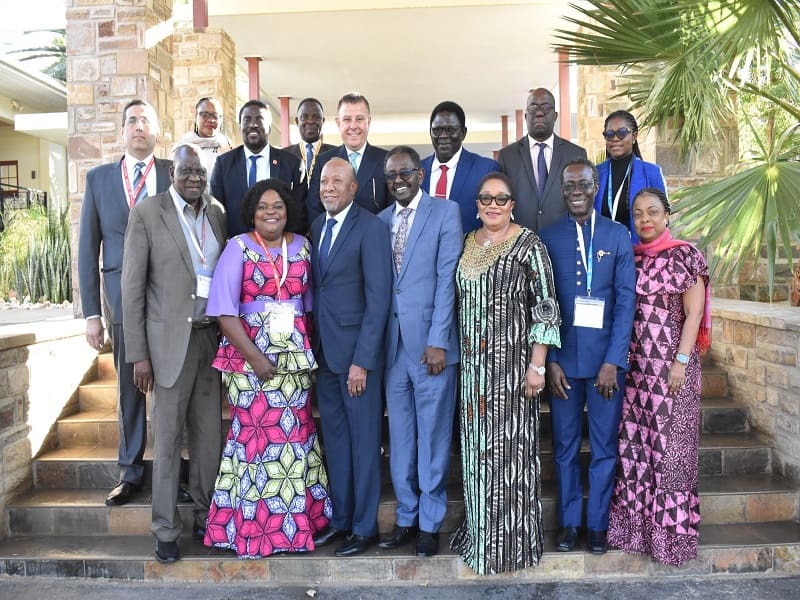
[
  {"x": 274, "y": 161},
  {"x": 601, "y": 254}
]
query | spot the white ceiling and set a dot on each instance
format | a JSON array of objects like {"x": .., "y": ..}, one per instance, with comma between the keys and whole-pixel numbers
[{"x": 405, "y": 57}]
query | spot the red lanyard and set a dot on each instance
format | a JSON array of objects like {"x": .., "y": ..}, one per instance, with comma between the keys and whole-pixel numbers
[
  {"x": 278, "y": 280},
  {"x": 133, "y": 194}
]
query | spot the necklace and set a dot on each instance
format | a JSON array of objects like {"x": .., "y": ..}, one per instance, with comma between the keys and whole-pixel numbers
[{"x": 489, "y": 241}]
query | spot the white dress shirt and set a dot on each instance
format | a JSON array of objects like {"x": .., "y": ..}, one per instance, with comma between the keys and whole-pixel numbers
[
  {"x": 548, "y": 153},
  {"x": 339, "y": 218},
  {"x": 436, "y": 172},
  {"x": 413, "y": 205},
  {"x": 262, "y": 164},
  {"x": 129, "y": 163}
]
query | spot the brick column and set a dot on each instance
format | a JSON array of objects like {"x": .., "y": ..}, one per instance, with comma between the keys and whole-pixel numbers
[
  {"x": 204, "y": 65},
  {"x": 117, "y": 50}
]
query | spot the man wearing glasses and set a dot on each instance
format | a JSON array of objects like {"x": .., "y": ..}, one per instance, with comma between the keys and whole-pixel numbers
[
  {"x": 452, "y": 171},
  {"x": 530, "y": 161},
  {"x": 592, "y": 260}
]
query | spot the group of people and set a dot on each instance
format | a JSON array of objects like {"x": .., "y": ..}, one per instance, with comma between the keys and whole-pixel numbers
[{"x": 450, "y": 286}]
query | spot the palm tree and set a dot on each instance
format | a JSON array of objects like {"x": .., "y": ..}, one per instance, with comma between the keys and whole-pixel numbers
[
  {"x": 685, "y": 63},
  {"x": 56, "y": 49}
]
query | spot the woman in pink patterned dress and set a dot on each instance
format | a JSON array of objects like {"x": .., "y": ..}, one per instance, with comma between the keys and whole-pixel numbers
[
  {"x": 655, "y": 508},
  {"x": 271, "y": 494}
]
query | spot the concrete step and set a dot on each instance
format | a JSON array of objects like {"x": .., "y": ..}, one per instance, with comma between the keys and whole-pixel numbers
[
  {"x": 728, "y": 499},
  {"x": 734, "y": 550}
]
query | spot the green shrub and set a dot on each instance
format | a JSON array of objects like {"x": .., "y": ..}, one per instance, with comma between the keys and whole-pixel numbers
[{"x": 35, "y": 255}]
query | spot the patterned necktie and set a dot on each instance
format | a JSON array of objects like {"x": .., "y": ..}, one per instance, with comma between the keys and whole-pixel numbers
[
  {"x": 400, "y": 238},
  {"x": 353, "y": 156},
  {"x": 309, "y": 158},
  {"x": 138, "y": 175},
  {"x": 251, "y": 178},
  {"x": 541, "y": 169},
  {"x": 441, "y": 185},
  {"x": 326, "y": 245}
]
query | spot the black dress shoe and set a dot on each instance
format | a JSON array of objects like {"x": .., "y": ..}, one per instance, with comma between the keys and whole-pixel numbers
[
  {"x": 427, "y": 544},
  {"x": 166, "y": 552},
  {"x": 184, "y": 497},
  {"x": 400, "y": 537},
  {"x": 567, "y": 538},
  {"x": 329, "y": 535},
  {"x": 356, "y": 544},
  {"x": 121, "y": 494},
  {"x": 597, "y": 542}
]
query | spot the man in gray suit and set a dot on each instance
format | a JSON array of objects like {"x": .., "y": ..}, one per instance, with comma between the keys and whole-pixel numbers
[
  {"x": 534, "y": 163},
  {"x": 172, "y": 245},
  {"x": 111, "y": 190}
]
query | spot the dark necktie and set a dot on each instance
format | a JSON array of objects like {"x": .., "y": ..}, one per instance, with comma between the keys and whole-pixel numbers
[
  {"x": 309, "y": 158},
  {"x": 541, "y": 170},
  {"x": 251, "y": 178},
  {"x": 138, "y": 175},
  {"x": 441, "y": 185},
  {"x": 325, "y": 249}
]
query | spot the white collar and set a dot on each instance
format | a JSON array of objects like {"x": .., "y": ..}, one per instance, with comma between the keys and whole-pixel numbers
[
  {"x": 264, "y": 152},
  {"x": 548, "y": 142},
  {"x": 130, "y": 161},
  {"x": 342, "y": 215},
  {"x": 451, "y": 164},
  {"x": 359, "y": 150},
  {"x": 413, "y": 205}
]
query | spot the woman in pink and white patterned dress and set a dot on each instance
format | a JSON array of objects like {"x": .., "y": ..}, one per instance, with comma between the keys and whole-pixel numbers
[{"x": 655, "y": 508}]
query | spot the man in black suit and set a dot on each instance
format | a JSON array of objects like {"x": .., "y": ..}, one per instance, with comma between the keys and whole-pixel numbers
[
  {"x": 237, "y": 170},
  {"x": 111, "y": 190},
  {"x": 353, "y": 119},
  {"x": 309, "y": 120},
  {"x": 534, "y": 163}
]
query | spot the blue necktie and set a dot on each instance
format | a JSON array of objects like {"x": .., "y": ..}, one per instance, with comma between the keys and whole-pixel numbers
[
  {"x": 251, "y": 178},
  {"x": 326, "y": 245},
  {"x": 353, "y": 156},
  {"x": 541, "y": 170},
  {"x": 138, "y": 173},
  {"x": 309, "y": 158}
]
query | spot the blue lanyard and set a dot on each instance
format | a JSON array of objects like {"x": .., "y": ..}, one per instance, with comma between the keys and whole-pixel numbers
[
  {"x": 587, "y": 261},
  {"x": 612, "y": 207}
]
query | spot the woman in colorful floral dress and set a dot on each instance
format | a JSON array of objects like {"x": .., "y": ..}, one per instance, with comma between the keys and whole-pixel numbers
[{"x": 271, "y": 494}]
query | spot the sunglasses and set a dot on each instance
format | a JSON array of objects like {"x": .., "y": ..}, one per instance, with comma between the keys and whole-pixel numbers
[
  {"x": 620, "y": 133},
  {"x": 405, "y": 174},
  {"x": 499, "y": 199}
]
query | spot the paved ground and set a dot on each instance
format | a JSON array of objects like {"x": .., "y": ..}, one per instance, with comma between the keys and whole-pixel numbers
[
  {"x": 33, "y": 313},
  {"x": 749, "y": 588}
]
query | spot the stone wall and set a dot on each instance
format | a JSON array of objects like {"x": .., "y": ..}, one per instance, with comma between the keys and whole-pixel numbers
[
  {"x": 41, "y": 366},
  {"x": 758, "y": 345}
]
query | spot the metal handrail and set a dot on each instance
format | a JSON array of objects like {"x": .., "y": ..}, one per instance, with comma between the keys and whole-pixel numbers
[{"x": 30, "y": 196}]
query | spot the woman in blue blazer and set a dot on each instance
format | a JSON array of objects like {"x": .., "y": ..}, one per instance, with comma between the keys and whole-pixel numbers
[{"x": 624, "y": 173}]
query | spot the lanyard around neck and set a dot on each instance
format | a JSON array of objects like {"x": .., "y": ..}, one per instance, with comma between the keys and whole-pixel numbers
[
  {"x": 199, "y": 246},
  {"x": 278, "y": 282},
  {"x": 612, "y": 208},
  {"x": 587, "y": 263},
  {"x": 134, "y": 194}
]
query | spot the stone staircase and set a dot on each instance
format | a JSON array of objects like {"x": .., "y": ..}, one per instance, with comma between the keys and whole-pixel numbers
[{"x": 63, "y": 528}]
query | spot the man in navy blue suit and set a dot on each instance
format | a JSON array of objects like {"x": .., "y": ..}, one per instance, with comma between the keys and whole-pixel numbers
[
  {"x": 592, "y": 259},
  {"x": 421, "y": 350},
  {"x": 452, "y": 171},
  {"x": 238, "y": 169},
  {"x": 351, "y": 266},
  {"x": 353, "y": 119}
]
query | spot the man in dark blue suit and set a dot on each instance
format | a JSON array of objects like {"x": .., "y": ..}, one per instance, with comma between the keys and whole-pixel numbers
[
  {"x": 351, "y": 266},
  {"x": 452, "y": 171},
  {"x": 238, "y": 169},
  {"x": 593, "y": 264},
  {"x": 111, "y": 190},
  {"x": 421, "y": 350},
  {"x": 353, "y": 119}
]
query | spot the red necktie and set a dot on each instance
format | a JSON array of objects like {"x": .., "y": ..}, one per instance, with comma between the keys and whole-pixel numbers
[{"x": 441, "y": 185}]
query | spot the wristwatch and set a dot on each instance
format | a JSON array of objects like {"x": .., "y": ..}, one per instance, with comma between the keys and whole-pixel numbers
[
  {"x": 537, "y": 370},
  {"x": 682, "y": 358}
]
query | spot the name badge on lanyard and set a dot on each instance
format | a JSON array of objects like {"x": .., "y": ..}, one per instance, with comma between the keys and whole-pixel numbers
[
  {"x": 589, "y": 311},
  {"x": 203, "y": 274},
  {"x": 203, "y": 282}
]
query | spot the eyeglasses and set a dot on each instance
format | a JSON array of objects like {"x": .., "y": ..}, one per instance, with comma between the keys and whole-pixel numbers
[
  {"x": 207, "y": 116},
  {"x": 500, "y": 199},
  {"x": 584, "y": 186},
  {"x": 620, "y": 133},
  {"x": 546, "y": 108},
  {"x": 405, "y": 174},
  {"x": 448, "y": 131}
]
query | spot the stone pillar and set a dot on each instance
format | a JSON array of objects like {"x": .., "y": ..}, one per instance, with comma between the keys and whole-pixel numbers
[
  {"x": 117, "y": 50},
  {"x": 204, "y": 65}
]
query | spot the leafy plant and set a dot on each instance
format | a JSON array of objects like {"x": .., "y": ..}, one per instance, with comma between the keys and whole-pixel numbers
[{"x": 56, "y": 50}]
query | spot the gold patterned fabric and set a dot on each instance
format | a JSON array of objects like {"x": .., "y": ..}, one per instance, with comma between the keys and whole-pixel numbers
[{"x": 506, "y": 302}]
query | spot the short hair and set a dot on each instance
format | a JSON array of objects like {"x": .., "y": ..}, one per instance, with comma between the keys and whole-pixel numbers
[
  {"x": 136, "y": 102},
  {"x": 408, "y": 151},
  {"x": 532, "y": 91},
  {"x": 634, "y": 126},
  {"x": 451, "y": 107},
  {"x": 181, "y": 147},
  {"x": 309, "y": 101},
  {"x": 253, "y": 195},
  {"x": 259, "y": 104},
  {"x": 658, "y": 193},
  {"x": 499, "y": 177},
  {"x": 583, "y": 162},
  {"x": 352, "y": 98},
  {"x": 205, "y": 99}
]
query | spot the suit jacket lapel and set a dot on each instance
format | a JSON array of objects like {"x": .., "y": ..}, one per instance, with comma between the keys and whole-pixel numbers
[
  {"x": 423, "y": 212},
  {"x": 118, "y": 185},
  {"x": 556, "y": 164},
  {"x": 345, "y": 230},
  {"x": 527, "y": 164},
  {"x": 170, "y": 217},
  {"x": 216, "y": 224},
  {"x": 462, "y": 173}
]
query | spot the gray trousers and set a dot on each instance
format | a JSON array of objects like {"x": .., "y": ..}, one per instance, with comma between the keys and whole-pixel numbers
[{"x": 195, "y": 400}]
